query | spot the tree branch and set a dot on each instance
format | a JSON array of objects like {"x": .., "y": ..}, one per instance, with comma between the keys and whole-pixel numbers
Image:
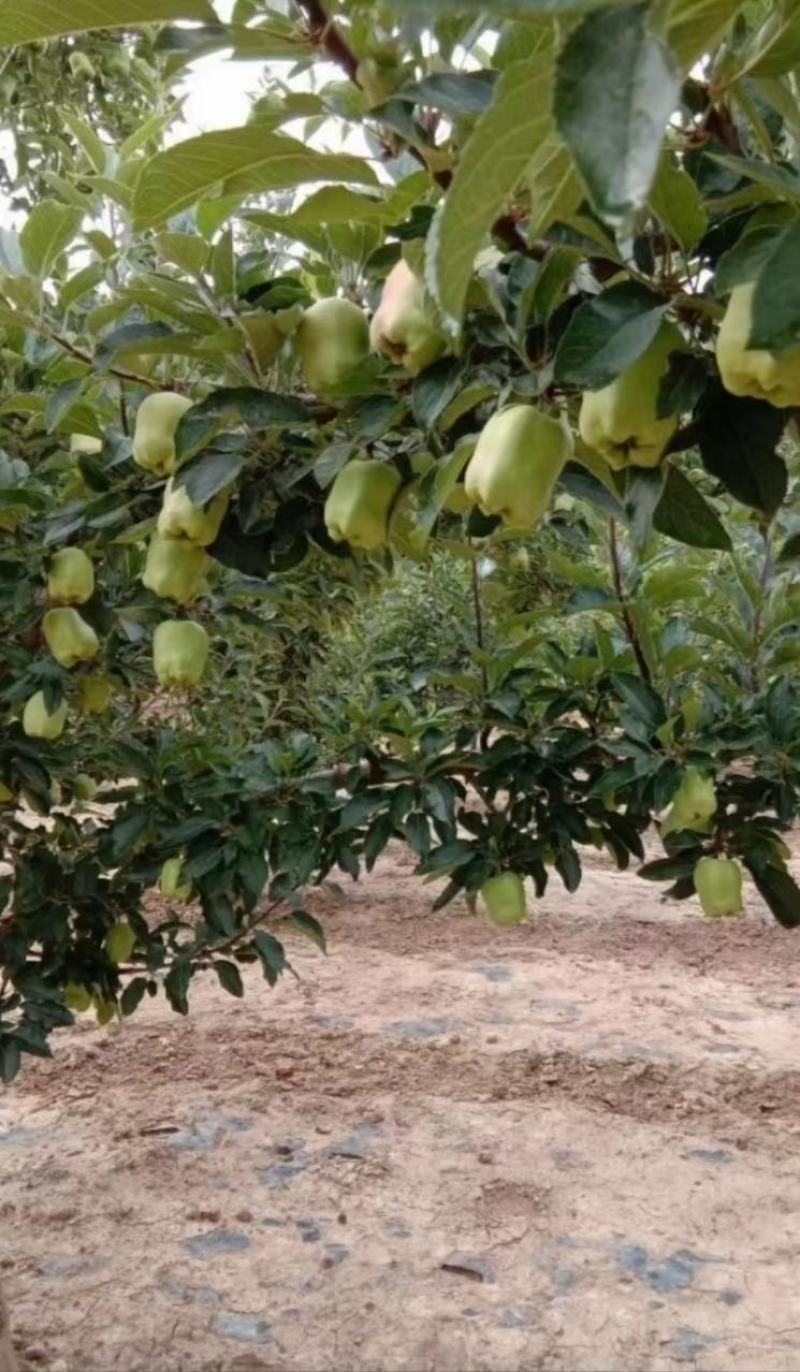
[
  {"x": 324, "y": 33},
  {"x": 627, "y": 618}
]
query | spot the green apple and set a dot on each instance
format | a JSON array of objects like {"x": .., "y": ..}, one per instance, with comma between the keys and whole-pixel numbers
[
  {"x": 504, "y": 898},
  {"x": 693, "y": 805},
  {"x": 84, "y": 787},
  {"x": 175, "y": 568},
  {"x": 359, "y": 503},
  {"x": 119, "y": 942},
  {"x": 84, "y": 445},
  {"x": 180, "y": 652},
  {"x": 403, "y": 328},
  {"x": 157, "y": 418},
  {"x": 332, "y": 339},
  {"x": 180, "y": 518},
  {"x": 70, "y": 578},
  {"x": 620, "y": 421},
  {"x": 94, "y": 694},
  {"x": 77, "y": 997},
  {"x": 68, "y": 636},
  {"x": 718, "y": 882},
  {"x": 765, "y": 375},
  {"x": 37, "y": 722},
  {"x": 169, "y": 882},
  {"x": 517, "y": 461}
]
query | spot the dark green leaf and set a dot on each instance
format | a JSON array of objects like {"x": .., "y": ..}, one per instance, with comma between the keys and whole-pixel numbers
[
  {"x": 737, "y": 438},
  {"x": 780, "y": 891},
  {"x": 272, "y": 955},
  {"x": 606, "y": 335},
  {"x": 211, "y": 472},
  {"x": 309, "y": 926},
  {"x": 230, "y": 978},
  {"x": 685, "y": 515},
  {"x": 776, "y": 303}
]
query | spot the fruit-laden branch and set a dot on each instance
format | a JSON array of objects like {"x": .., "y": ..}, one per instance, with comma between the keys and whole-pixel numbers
[
  {"x": 326, "y": 34},
  {"x": 627, "y": 618}
]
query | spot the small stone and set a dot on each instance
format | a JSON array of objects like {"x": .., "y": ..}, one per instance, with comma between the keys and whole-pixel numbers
[
  {"x": 204, "y": 1216},
  {"x": 492, "y": 1038},
  {"x": 486, "y": 1155},
  {"x": 244, "y": 1216},
  {"x": 322, "y": 1129},
  {"x": 35, "y": 1352},
  {"x": 341, "y": 1218}
]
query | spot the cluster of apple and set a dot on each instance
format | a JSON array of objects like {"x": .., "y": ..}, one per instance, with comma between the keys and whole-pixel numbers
[
  {"x": 177, "y": 563},
  {"x": 70, "y": 638}
]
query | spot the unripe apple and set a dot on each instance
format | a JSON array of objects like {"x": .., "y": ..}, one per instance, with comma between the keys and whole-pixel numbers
[
  {"x": 332, "y": 339},
  {"x": 517, "y": 461},
  {"x": 402, "y": 328},
  {"x": 170, "y": 883},
  {"x": 77, "y": 997},
  {"x": 718, "y": 882},
  {"x": 359, "y": 503},
  {"x": 180, "y": 518},
  {"x": 94, "y": 694},
  {"x": 157, "y": 418},
  {"x": 85, "y": 445},
  {"x": 765, "y": 375},
  {"x": 504, "y": 897},
  {"x": 119, "y": 942},
  {"x": 37, "y": 722},
  {"x": 68, "y": 636},
  {"x": 70, "y": 578},
  {"x": 180, "y": 652},
  {"x": 693, "y": 805},
  {"x": 175, "y": 568},
  {"x": 84, "y": 787},
  {"x": 620, "y": 421}
]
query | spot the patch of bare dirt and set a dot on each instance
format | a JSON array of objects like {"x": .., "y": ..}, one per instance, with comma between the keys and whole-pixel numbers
[{"x": 445, "y": 1148}]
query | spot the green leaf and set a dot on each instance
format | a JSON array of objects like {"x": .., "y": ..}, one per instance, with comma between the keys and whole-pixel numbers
[
  {"x": 737, "y": 438},
  {"x": 676, "y": 201},
  {"x": 492, "y": 164},
  {"x": 606, "y": 335},
  {"x": 230, "y": 978},
  {"x": 696, "y": 26},
  {"x": 616, "y": 87},
  {"x": 243, "y": 161},
  {"x": 775, "y": 47},
  {"x": 209, "y": 473},
  {"x": 227, "y": 407},
  {"x": 272, "y": 955},
  {"x": 685, "y": 515},
  {"x": 511, "y": 9},
  {"x": 779, "y": 890},
  {"x": 132, "y": 995},
  {"x": 556, "y": 189},
  {"x": 82, "y": 283},
  {"x": 47, "y": 231},
  {"x": 176, "y": 985},
  {"x": 94, "y": 147},
  {"x": 309, "y": 926},
  {"x": 30, "y": 21},
  {"x": 186, "y": 250},
  {"x": 776, "y": 302},
  {"x": 670, "y": 868},
  {"x": 452, "y": 92}
]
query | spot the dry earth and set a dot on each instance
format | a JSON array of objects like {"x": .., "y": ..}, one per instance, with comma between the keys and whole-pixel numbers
[{"x": 445, "y": 1148}]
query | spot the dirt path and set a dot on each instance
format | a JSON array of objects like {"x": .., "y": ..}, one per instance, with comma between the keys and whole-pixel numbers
[{"x": 448, "y": 1148}]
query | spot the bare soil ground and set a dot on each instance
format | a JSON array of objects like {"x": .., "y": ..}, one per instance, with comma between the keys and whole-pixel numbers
[{"x": 446, "y": 1148}]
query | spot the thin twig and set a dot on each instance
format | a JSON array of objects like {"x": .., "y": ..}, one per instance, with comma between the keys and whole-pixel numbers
[{"x": 627, "y": 618}]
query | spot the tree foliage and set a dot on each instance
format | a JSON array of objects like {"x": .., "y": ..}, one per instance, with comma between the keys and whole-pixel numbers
[{"x": 567, "y": 186}]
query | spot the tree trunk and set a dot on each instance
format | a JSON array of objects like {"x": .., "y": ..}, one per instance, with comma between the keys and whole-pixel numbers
[{"x": 8, "y": 1362}]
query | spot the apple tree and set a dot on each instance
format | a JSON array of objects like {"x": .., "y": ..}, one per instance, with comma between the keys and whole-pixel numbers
[{"x": 429, "y": 438}]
